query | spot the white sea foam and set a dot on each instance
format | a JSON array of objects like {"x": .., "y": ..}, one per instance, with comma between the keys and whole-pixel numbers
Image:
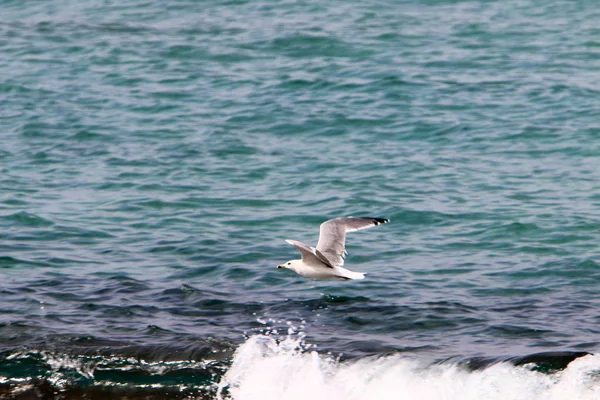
[{"x": 264, "y": 368}]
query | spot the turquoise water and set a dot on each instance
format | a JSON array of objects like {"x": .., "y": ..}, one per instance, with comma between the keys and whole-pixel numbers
[{"x": 154, "y": 156}]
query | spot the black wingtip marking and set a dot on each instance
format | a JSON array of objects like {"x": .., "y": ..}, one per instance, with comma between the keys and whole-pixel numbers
[
  {"x": 380, "y": 220},
  {"x": 376, "y": 221}
]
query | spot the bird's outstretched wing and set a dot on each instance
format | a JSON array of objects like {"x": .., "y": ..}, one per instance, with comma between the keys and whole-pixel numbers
[
  {"x": 310, "y": 255},
  {"x": 332, "y": 236}
]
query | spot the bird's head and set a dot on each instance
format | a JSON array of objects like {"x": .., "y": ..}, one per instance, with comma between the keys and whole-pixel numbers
[{"x": 290, "y": 264}]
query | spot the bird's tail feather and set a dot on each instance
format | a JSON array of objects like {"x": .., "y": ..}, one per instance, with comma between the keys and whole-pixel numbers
[{"x": 347, "y": 274}]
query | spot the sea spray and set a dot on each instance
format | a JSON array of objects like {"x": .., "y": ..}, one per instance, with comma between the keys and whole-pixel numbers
[{"x": 267, "y": 368}]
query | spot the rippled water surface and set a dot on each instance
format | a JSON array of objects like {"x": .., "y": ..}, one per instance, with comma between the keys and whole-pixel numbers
[{"x": 154, "y": 156}]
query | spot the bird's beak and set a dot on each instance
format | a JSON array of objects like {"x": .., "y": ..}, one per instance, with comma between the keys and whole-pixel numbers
[{"x": 280, "y": 266}]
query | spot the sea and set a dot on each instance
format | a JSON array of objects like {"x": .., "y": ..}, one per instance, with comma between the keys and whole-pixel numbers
[{"x": 155, "y": 155}]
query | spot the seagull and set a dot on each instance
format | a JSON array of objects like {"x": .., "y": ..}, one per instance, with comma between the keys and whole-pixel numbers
[{"x": 326, "y": 260}]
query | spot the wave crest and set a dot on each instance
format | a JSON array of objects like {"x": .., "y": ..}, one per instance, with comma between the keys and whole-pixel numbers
[{"x": 265, "y": 368}]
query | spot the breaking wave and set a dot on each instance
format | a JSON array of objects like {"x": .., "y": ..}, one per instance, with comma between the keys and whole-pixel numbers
[{"x": 266, "y": 368}]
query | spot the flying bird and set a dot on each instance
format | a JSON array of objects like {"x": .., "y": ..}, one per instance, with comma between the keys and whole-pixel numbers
[{"x": 326, "y": 260}]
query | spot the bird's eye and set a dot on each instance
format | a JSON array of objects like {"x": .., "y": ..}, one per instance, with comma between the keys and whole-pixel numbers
[{"x": 289, "y": 263}]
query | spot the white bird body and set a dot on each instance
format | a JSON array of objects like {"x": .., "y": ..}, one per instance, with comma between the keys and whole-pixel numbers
[
  {"x": 322, "y": 271},
  {"x": 326, "y": 260}
]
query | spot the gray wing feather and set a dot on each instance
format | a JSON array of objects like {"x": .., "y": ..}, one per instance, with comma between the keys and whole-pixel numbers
[
  {"x": 310, "y": 255},
  {"x": 332, "y": 236}
]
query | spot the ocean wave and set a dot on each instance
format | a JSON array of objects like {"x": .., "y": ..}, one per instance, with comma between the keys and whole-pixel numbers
[
  {"x": 265, "y": 368},
  {"x": 273, "y": 365}
]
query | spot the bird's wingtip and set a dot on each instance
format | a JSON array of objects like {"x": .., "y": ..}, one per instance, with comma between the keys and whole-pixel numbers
[{"x": 376, "y": 220}]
